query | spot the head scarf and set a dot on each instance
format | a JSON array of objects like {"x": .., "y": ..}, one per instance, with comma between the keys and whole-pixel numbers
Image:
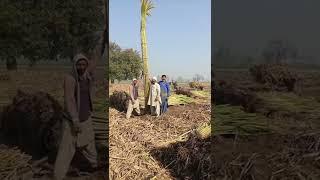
[{"x": 77, "y": 58}]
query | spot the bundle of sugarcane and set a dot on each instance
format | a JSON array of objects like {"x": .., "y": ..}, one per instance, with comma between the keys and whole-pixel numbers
[
  {"x": 204, "y": 131},
  {"x": 33, "y": 123},
  {"x": 184, "y": 91},
  {"x": 196, "y": 85},
  {"x": 278, "y": 76},
  {"x": 13, "y": 163},
  {"x": 101, "y": 130},
  {"x": 228, "y": 94},
  {"x": 120, "y": 100},
  {"x": 232, "y": 120}
]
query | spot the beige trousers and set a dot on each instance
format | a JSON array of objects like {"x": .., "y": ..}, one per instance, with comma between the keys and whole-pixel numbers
[
  {"x": 155, "y": 110},
  {"x": 131, "y": 107},
  {"x": 84, "y": 142}
]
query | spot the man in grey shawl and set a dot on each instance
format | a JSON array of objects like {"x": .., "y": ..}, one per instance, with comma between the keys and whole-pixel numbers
[
  {"x": 78, "y": 133},
  {"x": 134, "y": 101}
]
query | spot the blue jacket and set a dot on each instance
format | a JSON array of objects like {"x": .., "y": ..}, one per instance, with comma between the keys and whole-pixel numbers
[{"x": 165, "y": 89}]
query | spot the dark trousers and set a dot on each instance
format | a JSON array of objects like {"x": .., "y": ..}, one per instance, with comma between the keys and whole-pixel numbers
[{"x": 164, "y": 104}]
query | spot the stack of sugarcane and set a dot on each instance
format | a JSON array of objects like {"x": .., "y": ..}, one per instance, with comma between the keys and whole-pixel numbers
[
  {"x": 33, "y": 123},
  {"x": 184, "y": 91},
  {"x": 14, "y": 164},
  {"x": 232, "y": 120},
  {"x": 101, "y": 128},
  {"x": 277, "y": 76},
  {"x": 120, "y": 100},
  {"x": 196, "y": 85},
  {"x": 227, "y": 94}
]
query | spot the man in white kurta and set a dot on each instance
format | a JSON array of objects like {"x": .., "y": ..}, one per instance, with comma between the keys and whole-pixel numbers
[{"x": 154, "y": 97}]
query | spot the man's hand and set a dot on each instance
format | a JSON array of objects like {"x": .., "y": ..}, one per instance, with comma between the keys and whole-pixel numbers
[
  {"x": 157, "y": 99},
  {"x": 76, "y": 127}
]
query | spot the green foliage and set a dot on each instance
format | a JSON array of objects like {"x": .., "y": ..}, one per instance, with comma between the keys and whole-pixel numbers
[
  {"x": 124, "y": 64},
  {"x": 49, "y": 29}
]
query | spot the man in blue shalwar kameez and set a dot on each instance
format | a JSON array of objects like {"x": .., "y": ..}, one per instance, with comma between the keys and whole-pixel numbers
[{"x": 164, "y": 93}]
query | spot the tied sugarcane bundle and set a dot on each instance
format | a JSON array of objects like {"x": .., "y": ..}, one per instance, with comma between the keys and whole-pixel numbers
[
  {"x": 33, "y": 123},
  {"x": 196, "y": 85},
  {"x": 277, "y": 76},
  {"x": 120, "y": 100},
  {"x": 183, "y": 91}
]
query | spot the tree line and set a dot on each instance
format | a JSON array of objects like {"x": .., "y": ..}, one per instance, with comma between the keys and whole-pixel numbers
[
  {"x": 51, "y": 29},
  {"x": 124, "y": 64},
  {"x": 275, "y": 51}
]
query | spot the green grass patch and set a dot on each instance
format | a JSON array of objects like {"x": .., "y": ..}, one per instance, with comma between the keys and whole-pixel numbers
[
  {"x": 177, "y": 99},
  {"x": 232, "y": 120}
]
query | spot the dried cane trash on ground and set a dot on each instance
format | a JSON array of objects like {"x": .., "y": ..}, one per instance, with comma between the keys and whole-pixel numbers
[{"x": 140, "y": 146}]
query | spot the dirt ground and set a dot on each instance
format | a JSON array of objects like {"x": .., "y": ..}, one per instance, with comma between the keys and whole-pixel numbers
[{"x": 146, "y": 147}]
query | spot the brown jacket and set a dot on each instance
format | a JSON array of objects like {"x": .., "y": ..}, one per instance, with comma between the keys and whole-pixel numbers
[{"x": 72, "y": 89}]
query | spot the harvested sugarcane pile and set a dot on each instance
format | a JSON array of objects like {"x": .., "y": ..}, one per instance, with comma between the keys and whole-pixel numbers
[
  {"x": 196, "y": 85},
  {"x": 120, "y": 100},
  {"x": 33, "y": 123},
  {"x": 184, "y": 91},
  {"x": 231, "y": 120},
  {"x": 14, "y": 164},
  {"x": 277, "y": 76},
  {"x": 227, "y": 94}
]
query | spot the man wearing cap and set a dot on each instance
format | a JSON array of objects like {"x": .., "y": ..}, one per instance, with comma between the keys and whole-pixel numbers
[
  {"x": 154, "y": 97},
  {"x": 78, "y": 134},
  {"x": 134, "y": 101},
  {"x": 165, "y": 93}
]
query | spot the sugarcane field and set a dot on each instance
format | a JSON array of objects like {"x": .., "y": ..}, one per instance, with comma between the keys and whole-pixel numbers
[
  {"x": 266, "y": 122},
  {"x": 32, "y": 113}
]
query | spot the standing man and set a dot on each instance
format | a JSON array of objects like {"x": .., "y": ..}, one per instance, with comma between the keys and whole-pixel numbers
[
  {"x": 78, "y": 134},
  {"x": 154, "y": 98},
  {"x": 134, "y": 101},
  {"x": 165, "y": 93}
]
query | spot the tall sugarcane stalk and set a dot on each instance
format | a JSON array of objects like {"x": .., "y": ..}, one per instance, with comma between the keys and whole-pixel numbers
[{"x": 146, "y": 6}]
